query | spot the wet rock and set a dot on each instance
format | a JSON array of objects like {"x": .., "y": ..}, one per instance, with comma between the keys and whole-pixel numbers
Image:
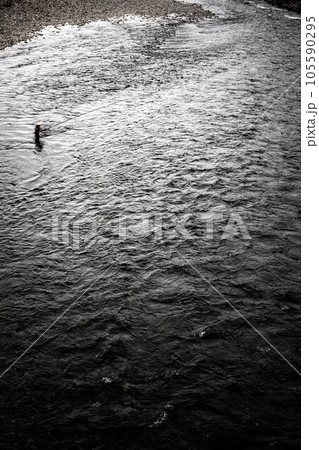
[
  {"x": 292, "y": 5},
  {"x": 289, "y": 298},
  {"x": 213, "y": 332}
]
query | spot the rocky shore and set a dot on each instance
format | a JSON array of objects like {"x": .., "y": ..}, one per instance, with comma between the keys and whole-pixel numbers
[
  {"x": 292, "y": 5},
  {"x": 19, "y": 18}
]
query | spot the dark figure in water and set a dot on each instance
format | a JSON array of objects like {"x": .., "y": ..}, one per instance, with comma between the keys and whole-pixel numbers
[{"x": 37, "y": 131}]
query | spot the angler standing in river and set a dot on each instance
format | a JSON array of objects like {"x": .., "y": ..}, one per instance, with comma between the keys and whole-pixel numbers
[{"x": 37, "y": 131}]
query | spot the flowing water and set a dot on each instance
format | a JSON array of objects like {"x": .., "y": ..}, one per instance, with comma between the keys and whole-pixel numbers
[{"x": 166, "y": 191}]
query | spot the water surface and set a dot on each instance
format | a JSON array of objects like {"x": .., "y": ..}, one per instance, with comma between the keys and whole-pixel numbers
[{"x": 153, "y": 126}]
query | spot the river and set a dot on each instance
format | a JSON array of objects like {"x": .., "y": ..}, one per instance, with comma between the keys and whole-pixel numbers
[{"x": 164, "y": 208}]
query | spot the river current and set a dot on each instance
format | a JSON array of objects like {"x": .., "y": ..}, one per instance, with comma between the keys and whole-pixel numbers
[{"x": 165, "y": 194}]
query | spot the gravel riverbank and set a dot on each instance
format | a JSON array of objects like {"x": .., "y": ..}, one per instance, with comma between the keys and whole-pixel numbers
[{"x": 20, "y": 18}]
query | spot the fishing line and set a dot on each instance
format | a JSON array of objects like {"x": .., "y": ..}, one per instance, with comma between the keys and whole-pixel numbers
[{"x": 74, "y": 117}]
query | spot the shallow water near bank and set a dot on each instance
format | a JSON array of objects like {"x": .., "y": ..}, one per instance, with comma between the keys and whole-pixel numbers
[{"x": 156, "y": 130}]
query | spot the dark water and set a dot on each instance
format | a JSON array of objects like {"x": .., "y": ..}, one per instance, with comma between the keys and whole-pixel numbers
[{"x": 116, "y": 212}]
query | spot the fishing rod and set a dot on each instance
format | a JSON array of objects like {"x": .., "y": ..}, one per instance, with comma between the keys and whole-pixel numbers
[
  {"x": 38, "y": 125},
  {"x": 71, "y": 118},
  {"x": 38, "y": 130}
]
